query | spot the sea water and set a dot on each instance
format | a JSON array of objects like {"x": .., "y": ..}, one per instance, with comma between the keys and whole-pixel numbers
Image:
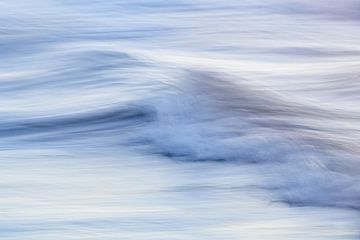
[{"x": 186, "y": 119}]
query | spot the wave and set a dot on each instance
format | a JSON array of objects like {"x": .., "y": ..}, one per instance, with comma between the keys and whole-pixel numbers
[
  {"x": 207, "y": 116},
  {"x": 68, "y": 76}
]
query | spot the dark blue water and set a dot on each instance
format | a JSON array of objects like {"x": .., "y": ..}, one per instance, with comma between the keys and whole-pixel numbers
[{"x": 179, "y": 119}]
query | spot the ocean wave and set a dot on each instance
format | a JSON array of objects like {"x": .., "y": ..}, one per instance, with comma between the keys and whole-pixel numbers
[
  {"x": 206, "y": 118},
  {"x": 267, "y": 86}
]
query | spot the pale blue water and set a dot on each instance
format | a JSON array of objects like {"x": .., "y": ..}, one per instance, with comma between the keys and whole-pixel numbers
[{"x": 193, "y": 119}]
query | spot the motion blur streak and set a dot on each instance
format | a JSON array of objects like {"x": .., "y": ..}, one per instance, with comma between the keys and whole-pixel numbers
[{"x": 179, "y": 120}]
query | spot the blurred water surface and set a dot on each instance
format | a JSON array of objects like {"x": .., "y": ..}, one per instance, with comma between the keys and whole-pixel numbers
[{"x": 189, "y": 119}]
